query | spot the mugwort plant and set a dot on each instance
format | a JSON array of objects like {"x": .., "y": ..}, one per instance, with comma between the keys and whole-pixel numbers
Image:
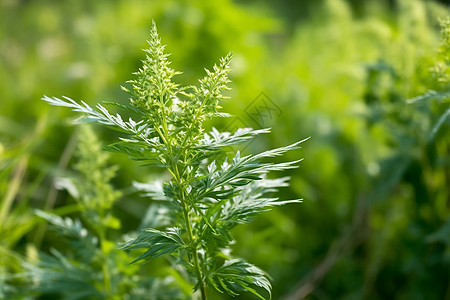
[{"x": 210, "y": 192}]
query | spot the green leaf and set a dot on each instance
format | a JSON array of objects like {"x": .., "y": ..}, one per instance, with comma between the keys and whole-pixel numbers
[
  {"x": 69, "y": 227},
  {"x": 136, "y": 150},
  {"x": 153, "y": 189},
  {"x": 442, "y": 119},
  {"x": 216, "y": 140},
  {"x": 101, "y": 115},
  {"x": 78, "y": 236},
  {"x": 251, "y": 201},
  {"x": 59, "y": 274},
  {"x": 129, "y": 108},
  {"x": 156, "y": 242},
  {"x": 431, "y": 95},
  {"x": 218, "y": 184},
  {"x": 236, "y": 276}
]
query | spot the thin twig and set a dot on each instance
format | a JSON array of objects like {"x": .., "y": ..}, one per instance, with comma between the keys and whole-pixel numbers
[
  {"x": 53, "y": 193},
  {"x": 347, "y": 241}
]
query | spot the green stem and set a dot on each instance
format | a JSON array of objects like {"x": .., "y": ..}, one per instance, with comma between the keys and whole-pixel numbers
[
  {"x": 191, "y": 237},
  {"x": 201, "y": 283},
  {"x": 105, "y": 269},
  {"x": 176, "y": 174},
  {"x": 13, "y": 188}
]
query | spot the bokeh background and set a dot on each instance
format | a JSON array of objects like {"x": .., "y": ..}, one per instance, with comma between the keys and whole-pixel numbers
[{"x": 375, "y": 220}]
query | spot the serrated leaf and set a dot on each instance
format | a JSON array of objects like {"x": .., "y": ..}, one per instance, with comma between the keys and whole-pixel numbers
[
  {"x": 79, "y": 238},
  {"x": 216, "y": 140},
  {"x": 152, "y": 189},
  {"x": 126, "y": 107},
  {"x": 251, "y": 201},
  {"x": 241, "y": 172},
  {"x": 156, "y": 242},
  {"x": 236, "y": 276},
  {"x": 431, "y": 95},
  {"x": 442, "y": 119},
  {"x": 67, "y": 225},
  {"x": 59, "y": 274}
]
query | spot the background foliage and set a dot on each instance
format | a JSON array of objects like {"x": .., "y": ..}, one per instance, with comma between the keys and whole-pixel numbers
[{"x": 375, "y": 221}]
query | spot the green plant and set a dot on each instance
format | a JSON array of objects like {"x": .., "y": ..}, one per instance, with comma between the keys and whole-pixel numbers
[
  {"x": 210, "y": 192},
  {"x": 86, "y": 266}
]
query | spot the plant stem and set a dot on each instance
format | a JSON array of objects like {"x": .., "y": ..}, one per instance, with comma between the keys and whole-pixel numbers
[
  {"x": 105, "y": 269},
  {"x": 201, "y": 283},
  {"x": 176, "y": 174},
  {"x": 13, "y": 188},
  {"x": 191, "y": 237}
]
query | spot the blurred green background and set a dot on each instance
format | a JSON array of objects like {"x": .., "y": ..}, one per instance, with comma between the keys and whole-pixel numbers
[{"x": 375, "y": 220}]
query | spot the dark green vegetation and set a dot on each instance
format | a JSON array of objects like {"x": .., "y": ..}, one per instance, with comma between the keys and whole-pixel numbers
[{"x": 369, "y": 83}]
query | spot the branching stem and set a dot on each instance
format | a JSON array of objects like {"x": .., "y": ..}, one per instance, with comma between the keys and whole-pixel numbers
[
  {"x": 185, "y": 206},
  {"x": 191, "y": 238}
]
